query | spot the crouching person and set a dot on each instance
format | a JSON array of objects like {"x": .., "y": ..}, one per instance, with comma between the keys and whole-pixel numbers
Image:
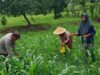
[
  {"x": 7, "y": 44},
  {"x": 65, "y": 38}
]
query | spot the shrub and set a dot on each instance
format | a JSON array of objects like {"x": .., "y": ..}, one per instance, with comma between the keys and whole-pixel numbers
[{"x": 3, "y": 20}]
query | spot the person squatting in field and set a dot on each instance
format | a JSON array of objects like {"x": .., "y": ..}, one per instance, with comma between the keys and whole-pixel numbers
[
  {"x": 7, "y": 44},
  {"x": 86, "y": 31},
  {"x": 65, "y": 37}
]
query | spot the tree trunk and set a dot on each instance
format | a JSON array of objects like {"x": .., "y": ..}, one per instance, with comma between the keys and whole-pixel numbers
[
  {"x": 57, "y": 14},
  {"x": 92, "y": 11},
  {"x": 92, "y": 8},
  {"x": 27, "y": 20}
]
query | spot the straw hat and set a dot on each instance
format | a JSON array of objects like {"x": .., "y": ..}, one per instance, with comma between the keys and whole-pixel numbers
[{"x": 59, "y": 31}]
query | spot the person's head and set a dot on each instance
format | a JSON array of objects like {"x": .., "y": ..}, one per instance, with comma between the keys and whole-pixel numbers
[
  {"x": 84, "y": 17},
  {"x": 61, "y": 35},
  {"x": 15, "y": 35}
]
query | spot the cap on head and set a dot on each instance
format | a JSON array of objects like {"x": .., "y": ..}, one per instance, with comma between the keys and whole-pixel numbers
[
  {"x": 16, "y": 34},
  {"x": 59, "y": 30}
]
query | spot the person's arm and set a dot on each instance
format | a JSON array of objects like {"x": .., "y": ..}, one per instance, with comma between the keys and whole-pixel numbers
[
  {"x": 91, "y": 32},
  {"x": 62, "y": 41},
  {"x": 78, "y": 33},
  {"x": 8, "y": 47},
  {"x": 67, "y": 36},
  {"x": 13, "y": 47}
]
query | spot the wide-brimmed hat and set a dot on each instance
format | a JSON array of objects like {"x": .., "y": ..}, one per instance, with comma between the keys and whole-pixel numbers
[{"x": 59, "y": 30}]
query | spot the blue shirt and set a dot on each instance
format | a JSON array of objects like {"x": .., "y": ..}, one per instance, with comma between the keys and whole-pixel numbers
[{"x": 89, "y": 39}]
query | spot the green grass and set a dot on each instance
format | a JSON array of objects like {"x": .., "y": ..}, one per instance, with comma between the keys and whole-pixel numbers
[
  {"x": 39, "y": 51},
  {"x": 39, "y": 19}
]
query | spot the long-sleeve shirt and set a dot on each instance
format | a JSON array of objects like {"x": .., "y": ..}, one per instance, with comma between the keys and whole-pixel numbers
[
  {"x": 89, "y": 39},
  {"x": 7, "y": 46},
  {"x": 67, "y": 39}
]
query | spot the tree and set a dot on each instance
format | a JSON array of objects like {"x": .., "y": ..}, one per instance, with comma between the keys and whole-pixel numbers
[
  {"x": 58, "y": 6},
  {"x": 3, "y": 20},
  {"x": 17, "y": 8},
  {"x": 41, "y": 6},
  {"x": 1, "y": 6},
  {"x": 83, "y": 3},
  {"x": 24, "y": 7},
  {"x": 20, "y": 7},
  {"x": 92, "y": 8}
]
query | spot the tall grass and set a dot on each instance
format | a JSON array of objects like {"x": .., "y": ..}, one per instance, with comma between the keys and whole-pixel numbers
[{"x": 39, "y": 51}]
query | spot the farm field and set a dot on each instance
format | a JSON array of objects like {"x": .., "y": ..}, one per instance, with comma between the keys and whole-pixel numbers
[{"x": 39, "y": 52}]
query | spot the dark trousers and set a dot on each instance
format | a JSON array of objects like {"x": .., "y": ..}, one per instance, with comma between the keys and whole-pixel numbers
[{"x": 88, "y": 47}]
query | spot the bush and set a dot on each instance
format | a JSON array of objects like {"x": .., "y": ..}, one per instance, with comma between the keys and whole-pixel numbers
[{"x": 3, "y": 20}]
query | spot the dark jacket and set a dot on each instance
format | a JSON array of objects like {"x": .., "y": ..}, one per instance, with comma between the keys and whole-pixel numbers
[
  {"x": 89, "y": 39},
  {"x": 86, "y": 27}
]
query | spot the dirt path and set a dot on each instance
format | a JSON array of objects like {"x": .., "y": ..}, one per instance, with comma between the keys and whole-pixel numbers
[{"x": 26, "y": 28}]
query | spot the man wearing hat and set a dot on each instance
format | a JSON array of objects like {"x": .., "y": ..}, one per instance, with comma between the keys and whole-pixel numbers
[
  {"x": 7, "y": 44},
  {"x": 65, "y": 37}
]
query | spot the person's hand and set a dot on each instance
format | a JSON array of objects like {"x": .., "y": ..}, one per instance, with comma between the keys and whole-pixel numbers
[
  {"x": 73, "y": 34},
  {"x": 62, "y": 44},
  {"x": 17, "y": 55},
  {"x": 65, "y": 41},
  {"x": 87, "y": 35}
]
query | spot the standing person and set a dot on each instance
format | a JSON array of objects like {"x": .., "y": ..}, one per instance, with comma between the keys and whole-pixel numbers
[
  {"x": 7, "y": 44},
  {"x": 65, "y": 38},
  {"x": 86, "y": 31}
]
